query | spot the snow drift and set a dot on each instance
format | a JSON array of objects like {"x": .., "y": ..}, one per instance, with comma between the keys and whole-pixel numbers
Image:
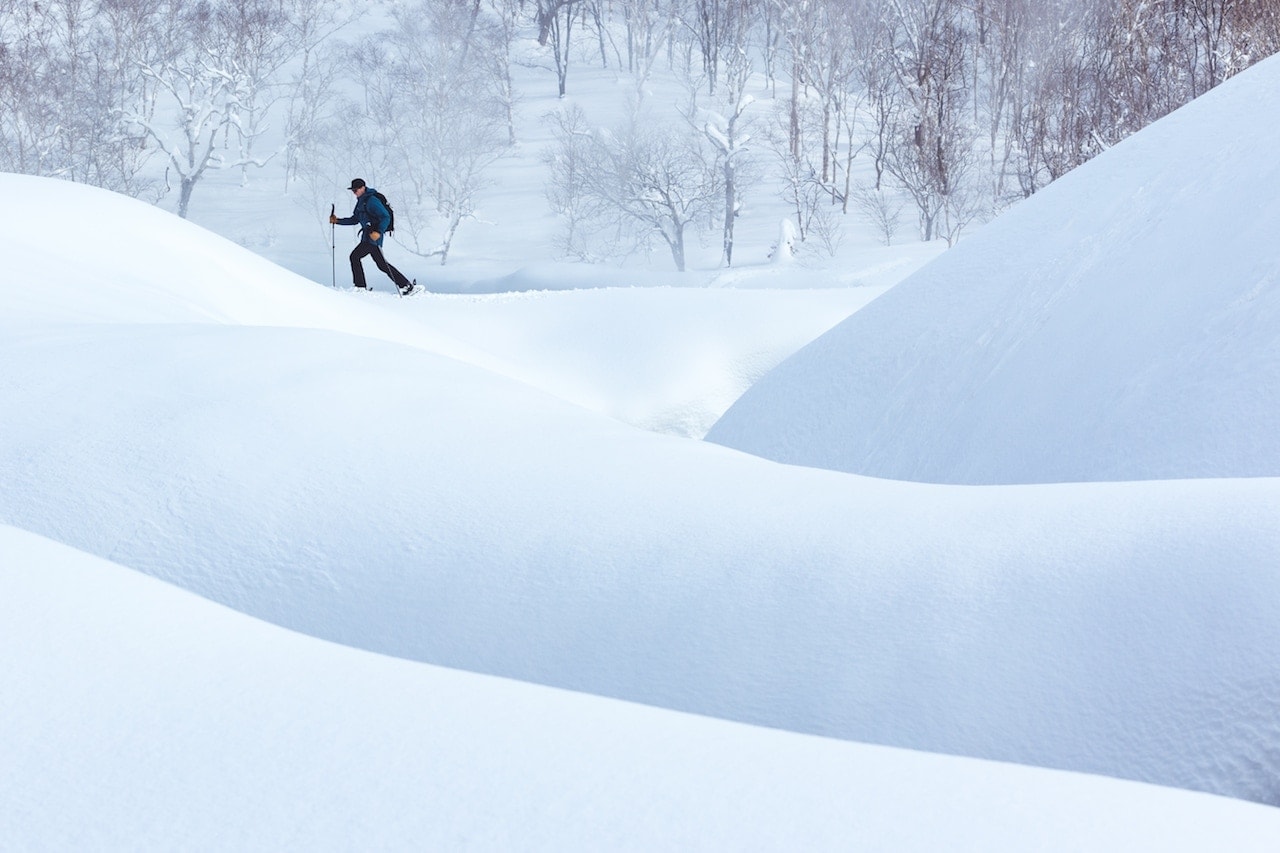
[
  {"x": 1120, "y": 325},
  {"x": 145, "y": 717},
  {"x": 396, "y": 497}
]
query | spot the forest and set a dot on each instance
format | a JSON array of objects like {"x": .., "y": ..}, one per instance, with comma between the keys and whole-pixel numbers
[{"x": 928, "y": 115}]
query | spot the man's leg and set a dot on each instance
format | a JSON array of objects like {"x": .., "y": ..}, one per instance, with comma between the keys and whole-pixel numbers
[
  {"x": 395, "y": 274},
  {"x": 357, "y": 269}
]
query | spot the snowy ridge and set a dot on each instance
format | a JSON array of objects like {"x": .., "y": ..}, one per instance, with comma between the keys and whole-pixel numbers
[
  {"x": 134, "y": 263},
  {"x": 1119, "y": 325}
]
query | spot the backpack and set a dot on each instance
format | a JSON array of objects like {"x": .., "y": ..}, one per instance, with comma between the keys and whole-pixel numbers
[{"x": 391, "y": 226}]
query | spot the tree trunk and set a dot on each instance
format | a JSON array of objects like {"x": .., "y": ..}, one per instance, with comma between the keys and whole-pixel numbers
[
  {"x": 677, "y": 245},
  {"x": 730, "y": 211},
  {"x": 184, "y": 195}
]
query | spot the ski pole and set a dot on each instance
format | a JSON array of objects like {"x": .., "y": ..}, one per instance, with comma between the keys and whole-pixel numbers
[{"x": 333, "y": 249}]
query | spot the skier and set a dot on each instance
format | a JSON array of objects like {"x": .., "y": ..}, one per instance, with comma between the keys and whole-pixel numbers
[{"x": 373, "y": 218}]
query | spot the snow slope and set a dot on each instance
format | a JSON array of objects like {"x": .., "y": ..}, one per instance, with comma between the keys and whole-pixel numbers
[
  {"x": 1120, "y": 325},
  {"x": 147, "y": 718},
  {"x": 660, "y": 357},
  {"x": 392, "y": 495},
  {"x": 670, "y": 359}
]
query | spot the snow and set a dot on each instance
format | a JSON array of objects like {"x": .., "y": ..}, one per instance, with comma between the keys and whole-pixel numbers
[
  {"x": 282, "y": 565},
  {"x": 151, "y": 718},
  {"x": 1120, "y": 325}
]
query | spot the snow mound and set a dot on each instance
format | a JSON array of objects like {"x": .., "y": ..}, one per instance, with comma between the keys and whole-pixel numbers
[
  {"x": 113, "y": 260},
  {"x": 116, "y": 259},
  {"x": 136, "y": 715},
  {"x": 1119, "y": 325},
  {"x": 401, "y": 502}
]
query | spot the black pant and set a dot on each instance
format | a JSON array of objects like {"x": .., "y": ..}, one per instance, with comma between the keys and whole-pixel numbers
[{"x": 372, "y": 249}]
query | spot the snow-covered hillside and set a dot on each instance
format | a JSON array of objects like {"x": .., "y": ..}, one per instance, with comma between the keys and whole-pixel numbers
[
  {"x": 402, "y": 494},
  {"x": 136, "y": 716},
  {"x": 1120, "y": 325}
]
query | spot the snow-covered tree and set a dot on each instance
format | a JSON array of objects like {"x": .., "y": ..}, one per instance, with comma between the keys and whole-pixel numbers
[
  {"x": 646, "y": 30},
  {"x": 797, "y": 184},
  {"x": 654, "y": 181},
  {"x": 566, "y": 189},
  {"x": 215, "y": 74},
  {"x": 197, "y": 95},
  {"x": 719, "y": 28},
  {"x": 933, "y": 155},
  {"x": 503, "y": 32},
  {"x": 555, "y": 20},
  {"x": 725, "y": 124},
  {"x": 667, "y": 186},
  {"x": 33, "y": 61},
  {"x": 432, "y": 91},
  {"x": 256, "y": 39},
  {"x": 312, "y": 23},
  {"x": 119, "y": 153}
]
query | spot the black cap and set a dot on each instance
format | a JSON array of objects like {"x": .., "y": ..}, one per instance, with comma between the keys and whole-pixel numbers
[{"x": 356, "y": 184}]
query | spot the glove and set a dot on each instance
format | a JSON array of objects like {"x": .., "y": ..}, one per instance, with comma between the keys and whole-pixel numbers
[
  {"x": 333, "y": 220},
  {"x": 374, "y": 235}
]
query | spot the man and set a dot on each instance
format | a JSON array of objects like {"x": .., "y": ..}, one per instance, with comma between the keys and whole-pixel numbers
[{"x": 373, "y": 218}]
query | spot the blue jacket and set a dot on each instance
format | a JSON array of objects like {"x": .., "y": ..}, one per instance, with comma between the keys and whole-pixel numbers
[{"x": 370, "y": 215}]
